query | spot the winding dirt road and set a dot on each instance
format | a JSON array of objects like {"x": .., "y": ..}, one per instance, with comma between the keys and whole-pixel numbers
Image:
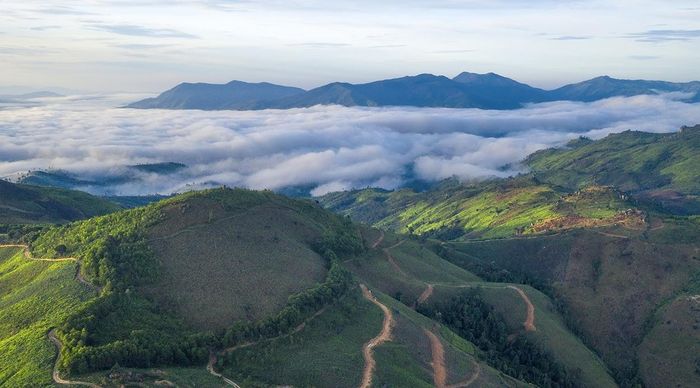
[
  {"x": 438, "y": 363},
  {"x": 383, "y": 336},
  {"x": 56, "y": 375},
  {"x": 213, "y": 356},
  {"x": 529, "y": 323},
  {"x": 210, "y": 369},
  {"x": 440, "y": 368}
]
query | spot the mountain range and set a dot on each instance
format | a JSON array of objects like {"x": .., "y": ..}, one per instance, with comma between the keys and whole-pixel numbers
[{"x": 466, "y": 90}]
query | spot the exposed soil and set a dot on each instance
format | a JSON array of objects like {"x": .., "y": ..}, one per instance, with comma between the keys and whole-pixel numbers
[
  {"x": 438, "y": 363},
  {"x": 425, "y": 294},
  {"x": 529, "y": 323},
  {"x": 383, "y": 336}
]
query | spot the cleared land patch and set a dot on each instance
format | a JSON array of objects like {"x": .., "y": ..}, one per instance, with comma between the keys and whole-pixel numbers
[{"x": 220, "y": 266}]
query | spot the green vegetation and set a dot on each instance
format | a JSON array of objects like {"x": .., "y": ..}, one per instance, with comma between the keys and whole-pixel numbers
[
  {"x": 656, "y": 168},
  {"x": 496, "y": 209},
  {"x": 606, "y": 284},
  {"x": 24, "y": 204},
  {"x": 34, "y": 297},
  {"x": 328, "y": 352},
  {"x": 475, "y": 320},
  {"x": 130, "y": 326},
  {"x": 516, "y": 279}
]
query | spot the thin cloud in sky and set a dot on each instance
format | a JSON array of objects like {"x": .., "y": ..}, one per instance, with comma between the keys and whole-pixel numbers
[
  {"x": 133, "y": 30},
  {"x": 280, "y": 41}
]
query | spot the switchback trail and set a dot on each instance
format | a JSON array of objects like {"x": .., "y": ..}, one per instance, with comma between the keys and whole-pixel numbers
[
  {"x": 56, "y": 375},
  {"x": 383, "y": 336},
  {"x": 440, "y": 368}
]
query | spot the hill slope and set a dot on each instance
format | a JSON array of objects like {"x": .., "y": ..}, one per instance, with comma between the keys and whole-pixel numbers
[
  {"x": 658, "y": 168},
  {"x": 25, "y": 204},
  {"x": 230, "y": 281}
]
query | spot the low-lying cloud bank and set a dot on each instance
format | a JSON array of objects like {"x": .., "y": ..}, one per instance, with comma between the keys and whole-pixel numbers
[{"x": 326, "y": 148}]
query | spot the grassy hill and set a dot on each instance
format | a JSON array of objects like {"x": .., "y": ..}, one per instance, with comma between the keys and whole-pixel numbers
[
  {"x": 499, "y": 208},
  {"x": 656, "y": 168},
  {"x": 25, "y": 204}
]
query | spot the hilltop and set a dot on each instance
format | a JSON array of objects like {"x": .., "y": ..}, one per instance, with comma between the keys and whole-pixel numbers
[{"x": 466, "y": 90}]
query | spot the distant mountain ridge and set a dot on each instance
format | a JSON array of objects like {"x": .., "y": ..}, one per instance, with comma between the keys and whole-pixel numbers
[{"x": 466, "y": 90}]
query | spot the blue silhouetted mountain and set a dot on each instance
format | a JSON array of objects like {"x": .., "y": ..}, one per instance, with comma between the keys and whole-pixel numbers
[
  {"x": 605, "y": 87},
  {"x": 236, "y": 95},
  {"x": 467, "y": 90}
]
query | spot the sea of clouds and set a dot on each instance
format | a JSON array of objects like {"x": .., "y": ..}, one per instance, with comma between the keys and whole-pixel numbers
[{"x": 325, "y": 148}]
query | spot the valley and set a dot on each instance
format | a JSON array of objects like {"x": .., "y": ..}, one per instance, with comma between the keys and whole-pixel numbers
[{"x": 512, "y": 282}]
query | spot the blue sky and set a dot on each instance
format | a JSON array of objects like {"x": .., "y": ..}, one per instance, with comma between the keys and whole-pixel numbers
[{"x": 145, "y": 46}]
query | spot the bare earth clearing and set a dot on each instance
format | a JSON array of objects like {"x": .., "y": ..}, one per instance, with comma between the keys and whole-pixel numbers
[{"x": 384, "y": 336}]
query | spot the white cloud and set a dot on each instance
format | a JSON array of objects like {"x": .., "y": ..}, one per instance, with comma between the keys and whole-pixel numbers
[{"x": 323, "y": 148}]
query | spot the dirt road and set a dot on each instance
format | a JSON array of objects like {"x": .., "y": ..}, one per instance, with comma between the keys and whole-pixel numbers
[
  {"x": 529, "y": 323},
  {"x": 384, "y": 336},
  {"x": 56, "y": 375},
  {"x": 379, "y": 239},
  {"x": 78, "y": 275},
  {"x": 213, "y": 356},
  {"x": 438, "y": 363},
  {"x": 425, "y": 294},
  {"x": 210, "y": 369}
]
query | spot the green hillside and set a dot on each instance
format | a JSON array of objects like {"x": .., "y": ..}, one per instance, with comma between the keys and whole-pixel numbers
[
  {"x": 657, "y": 168},
  {"x": 211, "y": 288},
  {"x": 501, "y": 208},
  {"x": 616, "y": 287},
  {"x": 24, "y": 204},
  {"x": 232, "y": 281}
]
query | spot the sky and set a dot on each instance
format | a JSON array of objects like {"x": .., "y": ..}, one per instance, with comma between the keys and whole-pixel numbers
[
  {"x": 152, "y": 45},
  {"x": 322, "y": 148}
]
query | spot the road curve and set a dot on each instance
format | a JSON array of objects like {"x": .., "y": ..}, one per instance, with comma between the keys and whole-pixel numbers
[
  {"x": 383, "y": 336},
  {"x": 529, "y": 323},
  {"x": 56, "y": 375},
  {"x": 78, "y": 275}
]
